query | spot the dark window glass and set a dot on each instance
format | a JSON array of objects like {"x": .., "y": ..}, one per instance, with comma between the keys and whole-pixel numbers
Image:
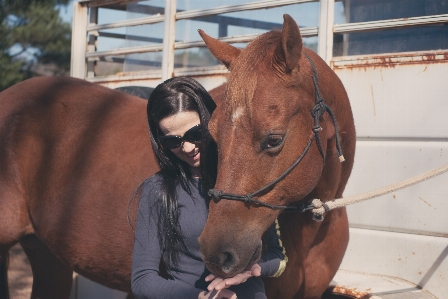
[
  {"x": 434, "y": 37},
  {"x": 353, "y": 11},
  {"x": 391, "y": 41}
]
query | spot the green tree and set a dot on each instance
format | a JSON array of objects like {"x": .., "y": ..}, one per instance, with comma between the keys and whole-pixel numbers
[{"x": 32, "y": 36}]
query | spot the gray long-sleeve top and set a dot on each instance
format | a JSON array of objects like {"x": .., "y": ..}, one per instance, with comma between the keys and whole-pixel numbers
[{"x": 187, "y": 279}]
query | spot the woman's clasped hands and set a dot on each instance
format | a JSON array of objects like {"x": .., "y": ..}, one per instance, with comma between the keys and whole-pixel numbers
[{"x": 217, "y": 289}]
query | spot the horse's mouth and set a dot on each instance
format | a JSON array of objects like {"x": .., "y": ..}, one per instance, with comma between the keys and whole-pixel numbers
[{"x": 222, "y": 270}]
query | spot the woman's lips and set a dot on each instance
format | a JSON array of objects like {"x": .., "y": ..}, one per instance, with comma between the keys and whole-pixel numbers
[{"x": 194, "y": 155}]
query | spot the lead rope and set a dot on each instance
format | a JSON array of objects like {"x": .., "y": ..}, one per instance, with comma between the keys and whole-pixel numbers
[{"x": 319, "y": 208}]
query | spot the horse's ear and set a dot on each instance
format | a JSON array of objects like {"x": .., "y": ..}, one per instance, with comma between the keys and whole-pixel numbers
[
  {"x": 222, "y": 51},
  {"x": 290, "y": 47}
]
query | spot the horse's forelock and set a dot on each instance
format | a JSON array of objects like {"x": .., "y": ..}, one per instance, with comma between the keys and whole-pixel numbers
[{"x": 243, "y": 77}]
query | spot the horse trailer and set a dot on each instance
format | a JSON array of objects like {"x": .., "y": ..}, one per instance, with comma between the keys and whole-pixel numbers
[{"x": 392, "y": 57}]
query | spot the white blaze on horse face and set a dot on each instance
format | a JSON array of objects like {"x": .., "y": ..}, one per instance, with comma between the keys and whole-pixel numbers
[{"x": 237, "y": 114}]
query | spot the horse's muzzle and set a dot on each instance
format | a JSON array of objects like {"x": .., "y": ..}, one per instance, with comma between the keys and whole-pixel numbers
[{"x": 228, "y": 261}]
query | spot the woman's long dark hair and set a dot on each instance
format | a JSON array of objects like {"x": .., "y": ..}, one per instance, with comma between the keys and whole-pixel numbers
[{"x": 176, "y": 95}]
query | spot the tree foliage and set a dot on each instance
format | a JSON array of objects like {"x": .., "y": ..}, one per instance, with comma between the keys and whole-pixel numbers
[{"x": 32, "y": 35}]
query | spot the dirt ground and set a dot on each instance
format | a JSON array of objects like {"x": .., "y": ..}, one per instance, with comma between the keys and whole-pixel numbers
[{"x": 19, "y": 274}]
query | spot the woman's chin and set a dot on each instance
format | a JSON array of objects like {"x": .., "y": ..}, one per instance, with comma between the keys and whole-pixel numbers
[{"x": 195, "y": 167}]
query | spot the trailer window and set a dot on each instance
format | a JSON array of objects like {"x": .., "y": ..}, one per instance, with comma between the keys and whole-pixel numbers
[
  {"x": 389, "y": 26},
  {"x": 235, "y": 24}
]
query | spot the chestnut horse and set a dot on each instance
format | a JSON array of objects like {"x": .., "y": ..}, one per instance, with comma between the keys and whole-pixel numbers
[
  {"x": 266, "y": 120},
  {"x": 71, "y": 155}
]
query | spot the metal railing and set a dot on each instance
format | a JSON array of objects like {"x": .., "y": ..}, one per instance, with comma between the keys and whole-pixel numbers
[{"x": 83, "y": 61}]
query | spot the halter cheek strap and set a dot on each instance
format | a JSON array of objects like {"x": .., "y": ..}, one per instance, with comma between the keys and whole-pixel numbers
[{"x": 319, "y": 109}]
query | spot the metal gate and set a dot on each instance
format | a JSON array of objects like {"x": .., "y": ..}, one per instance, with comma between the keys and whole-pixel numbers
[{"x": 391, "y": 55}]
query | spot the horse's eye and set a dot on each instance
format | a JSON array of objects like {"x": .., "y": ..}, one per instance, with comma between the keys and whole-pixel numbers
[{"x": 274, "y": 140}]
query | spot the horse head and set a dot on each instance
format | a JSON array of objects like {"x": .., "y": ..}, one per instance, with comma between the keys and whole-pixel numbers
[{"x": 262, "y": 126}]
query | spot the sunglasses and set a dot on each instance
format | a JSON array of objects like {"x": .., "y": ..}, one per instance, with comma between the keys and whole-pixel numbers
[{"x": 193, "y": 135}]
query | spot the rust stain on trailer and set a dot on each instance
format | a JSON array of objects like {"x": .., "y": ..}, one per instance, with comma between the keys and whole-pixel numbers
[
  {"x": 387, "y": 62},
  {"x": 424, "y": 201},
  {"x": 390, "y": 60},
  {"x": 429, "y": 57},
  {"x": 351, "y": 292}
]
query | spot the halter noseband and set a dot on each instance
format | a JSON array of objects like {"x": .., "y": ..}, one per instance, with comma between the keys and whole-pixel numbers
[{"x": 319, "y": 109}]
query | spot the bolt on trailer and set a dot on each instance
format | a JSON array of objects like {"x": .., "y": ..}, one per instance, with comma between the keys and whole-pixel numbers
[{"x": 391, "y": 55}]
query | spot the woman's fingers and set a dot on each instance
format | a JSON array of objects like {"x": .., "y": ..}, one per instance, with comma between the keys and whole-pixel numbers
[
  {"x": 220, "y": 283},
  {"x": 256, "y": 270},
  {"x": 225, "y": 294},
  {"x": 215, "y": 282},
  {"x": 227, "y": 282},
  {"x": 237, "y": 279},
  {"x": 221, "y": 294},
  {"x": 210, "y": 277}
]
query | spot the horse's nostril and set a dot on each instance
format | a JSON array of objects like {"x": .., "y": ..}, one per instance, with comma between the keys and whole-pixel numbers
[{"x": 228, "y": 261}]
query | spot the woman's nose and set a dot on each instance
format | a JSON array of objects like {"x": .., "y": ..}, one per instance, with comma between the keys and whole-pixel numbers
[{"x": 188, "y": 146}]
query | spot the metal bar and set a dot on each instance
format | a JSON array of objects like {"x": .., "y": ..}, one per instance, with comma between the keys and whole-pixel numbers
[
  {"x": 128, "y": 77},
  {"x": 131, "y": 37},
  {"x": 79, "y": 41},
  {"x": 168, "y": 39},
  {"x": 150, "y": 63},
  {"x": 234, "y": 8},
  {"x": 209, "y": 70},
  {"x": 325, "y": 39},
  {"x": 246, "y": 38},
  {"x": 97, "y": 3},
  {"x": 138, "y": 8},
  {"x": 309, "y": 31},
  {"x": 123, "y": 51},
  {"x": 236, "y": 39},
  {"x": 92, "y": 43},
  {"x": 391, "y": 24},
  {"x": 128, "y": 23},
  {"x": 255, "y": 24}
]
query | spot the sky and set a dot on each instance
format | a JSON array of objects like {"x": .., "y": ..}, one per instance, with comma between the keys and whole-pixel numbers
[{"x": 66, "y": 13}]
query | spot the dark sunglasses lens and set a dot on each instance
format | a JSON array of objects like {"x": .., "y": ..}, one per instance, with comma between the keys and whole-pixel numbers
[
  {"x": 170, "y": 142},
  {"x": 194, "y": 134}
]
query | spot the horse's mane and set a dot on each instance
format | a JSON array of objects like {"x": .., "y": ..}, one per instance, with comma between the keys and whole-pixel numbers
[{"x": 243, "y": 76}]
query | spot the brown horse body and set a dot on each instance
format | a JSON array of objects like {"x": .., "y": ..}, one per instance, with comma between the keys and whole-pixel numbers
[
  {"x": 71, "y": 154},
  {"x": 261, "y": 127}
]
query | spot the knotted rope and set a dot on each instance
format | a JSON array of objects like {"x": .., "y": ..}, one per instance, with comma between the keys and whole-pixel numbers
[
  {"x": 319, "y": 208},
  {"x": 319, "y": 110}
]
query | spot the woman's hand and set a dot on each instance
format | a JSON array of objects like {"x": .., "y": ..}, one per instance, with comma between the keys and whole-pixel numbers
[
  {"x": 219, "y": 282},
  {"x": 221, "y": 294}
]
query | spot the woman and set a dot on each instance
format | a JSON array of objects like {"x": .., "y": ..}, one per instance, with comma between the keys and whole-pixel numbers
[{"x": 174, "y": 206}]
